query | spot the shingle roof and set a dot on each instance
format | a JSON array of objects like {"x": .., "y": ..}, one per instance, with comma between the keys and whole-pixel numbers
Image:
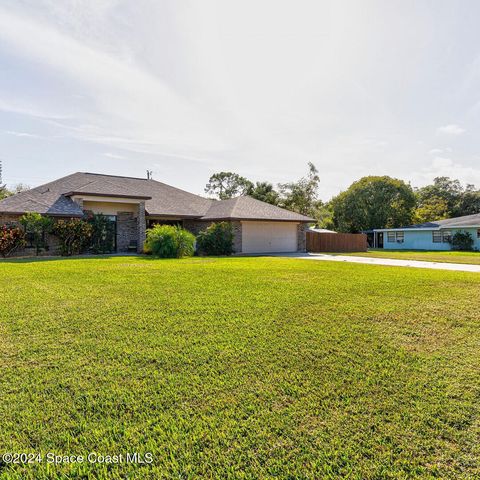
[
  {"x": 248, "y": 208},
  {"x": 161, "y": 199},
  {"x": 465, "y": 221}
]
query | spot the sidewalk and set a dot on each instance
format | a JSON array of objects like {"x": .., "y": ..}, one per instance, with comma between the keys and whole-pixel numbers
[{"x": 461, "y": 267}]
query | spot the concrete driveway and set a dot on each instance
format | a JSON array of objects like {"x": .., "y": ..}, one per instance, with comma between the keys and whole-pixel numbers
[{"x": 460, "y": 267}]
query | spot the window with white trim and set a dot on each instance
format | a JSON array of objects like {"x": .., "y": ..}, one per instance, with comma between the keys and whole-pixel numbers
[
  {"x": 447, "y": 236},
  {"x": 395, "y": 237},
  {"x": 437, "y": 237}
]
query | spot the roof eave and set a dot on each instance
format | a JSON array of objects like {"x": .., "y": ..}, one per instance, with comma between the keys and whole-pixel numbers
[
  {"x": 256, "y": 219},
  {"x": 116, "y": 195}
]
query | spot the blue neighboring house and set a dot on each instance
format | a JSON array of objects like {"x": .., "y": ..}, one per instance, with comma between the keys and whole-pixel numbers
[{"x": 428, "y": 236}]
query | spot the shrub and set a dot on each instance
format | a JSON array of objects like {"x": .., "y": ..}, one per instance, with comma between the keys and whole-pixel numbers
[
  {"x": 462, "y": 241},
  {"x": 36, "y": 227},
  {"x": 168, "y": 241},
  {"x": 103, "y": 233},
  {"x": 217, "y": 239},
  {"x": 11, "y": 238},
  {"x": 74, "y": 235}
]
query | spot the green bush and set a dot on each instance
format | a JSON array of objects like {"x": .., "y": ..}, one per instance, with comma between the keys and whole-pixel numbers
[
  {"x": 217, "y": 239},
  {"x": 166, "y": 241},
  {"x": 462, "y": 241},
  {"x": 11, "y": 238},
  {"x": 36, "y": 228},
  {"x": 74, "y": 235}
]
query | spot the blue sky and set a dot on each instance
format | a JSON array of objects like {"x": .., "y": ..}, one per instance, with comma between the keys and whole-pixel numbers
[{"x": 188, "y": 88}]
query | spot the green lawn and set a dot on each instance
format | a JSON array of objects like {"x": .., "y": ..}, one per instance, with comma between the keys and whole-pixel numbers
[
  {"x": 427, "y": 256},
  {"x": 240, "y": 368}
]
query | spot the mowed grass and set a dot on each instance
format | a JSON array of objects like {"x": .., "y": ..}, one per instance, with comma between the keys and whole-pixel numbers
[
  {"x": 426, "y": 256},
  {"x": 240, "y": 368}
]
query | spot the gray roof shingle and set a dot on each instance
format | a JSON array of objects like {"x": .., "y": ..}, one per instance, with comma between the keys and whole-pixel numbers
[
  {"x": 465, "y": 221},
  {"x": 161, "y": 199},
  {"x": 248, "y": 208}
]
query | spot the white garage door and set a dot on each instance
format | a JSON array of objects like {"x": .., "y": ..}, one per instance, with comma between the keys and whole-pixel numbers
[{"x": 263, "y": 237}]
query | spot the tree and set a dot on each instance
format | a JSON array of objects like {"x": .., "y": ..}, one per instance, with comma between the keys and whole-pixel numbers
[
  {"x": 373, "y": 202},
  {"x": 431, "y": 209},
  {"x": 226, "y": 185},
  {"x": 264, "y": 192},
  {"x": 459, "y": 200},
  {"x": 301, "y": 196},
  {"x": 4, "y": 192},
  {"x": 323, "y": 214},
  {"x": 18, "y": 188}
]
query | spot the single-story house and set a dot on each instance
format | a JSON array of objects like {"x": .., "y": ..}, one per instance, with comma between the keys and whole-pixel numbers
[
  {"x": 428, "y": 236},
  {"x": 135, "y": 204}
]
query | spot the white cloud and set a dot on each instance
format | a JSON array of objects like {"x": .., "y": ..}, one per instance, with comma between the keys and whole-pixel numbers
[
  {"x": 446, "y": 167},
  {"x": 114, "y": 155},
  {"x": 451, "y": 129},
  {"x": 21, "y": 134},
  {"x": 435, "y": 151}
]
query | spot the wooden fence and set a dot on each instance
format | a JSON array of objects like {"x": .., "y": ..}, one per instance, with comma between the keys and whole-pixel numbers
[{"x": 336, "y": 242}]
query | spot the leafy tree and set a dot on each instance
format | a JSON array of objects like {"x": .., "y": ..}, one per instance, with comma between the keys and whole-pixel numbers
[
  {"x": 264, "y": 191},
  {"x": 36, "y": 226},
  {"x": 373, "y": 202},
  {"x": 433, "y": 208},
  {"x": 323, "y": 214},
  {"x": 301, "y": 196},
  {"x": 4, "y": 192},
  {"x": 226, "y": 185},
  {"x": 469, "y": 203},
  {"x": 459, "y": 200}
]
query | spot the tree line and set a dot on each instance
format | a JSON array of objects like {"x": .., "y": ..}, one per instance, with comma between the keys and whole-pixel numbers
[{"x": 371, "y": 202}]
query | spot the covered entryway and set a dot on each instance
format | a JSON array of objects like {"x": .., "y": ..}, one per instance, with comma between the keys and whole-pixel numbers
[{"x": 269, "y": 237}]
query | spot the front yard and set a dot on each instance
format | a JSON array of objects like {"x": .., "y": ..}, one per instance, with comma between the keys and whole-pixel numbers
[
  {"x": 426, "y": 256},
  {"x": 240, "y": 368}
]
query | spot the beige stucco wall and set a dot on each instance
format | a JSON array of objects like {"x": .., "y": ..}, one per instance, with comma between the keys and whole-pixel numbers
[{"x": 110, "y": 208}]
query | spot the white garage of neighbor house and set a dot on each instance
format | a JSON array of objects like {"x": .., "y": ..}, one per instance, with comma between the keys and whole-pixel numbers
[{"x": 135, "y": 204}]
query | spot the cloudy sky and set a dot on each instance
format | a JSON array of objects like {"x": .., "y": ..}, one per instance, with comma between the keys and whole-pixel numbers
[{"x": 259, "y": 87}]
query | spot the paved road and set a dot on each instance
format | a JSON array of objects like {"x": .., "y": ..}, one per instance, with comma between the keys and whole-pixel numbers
[{"x": 461, "y": 267}]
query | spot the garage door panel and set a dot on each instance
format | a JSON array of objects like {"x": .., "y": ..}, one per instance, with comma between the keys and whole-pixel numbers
[{"x": 265, "y": 237}]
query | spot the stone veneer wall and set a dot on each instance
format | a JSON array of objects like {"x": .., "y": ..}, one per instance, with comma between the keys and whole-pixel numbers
[
  {"x": 196, "y": 226},
  {"x": 141, "y": 227},
  {"x": 127, "y": 230},
  {"x": 302, "y": 237}
]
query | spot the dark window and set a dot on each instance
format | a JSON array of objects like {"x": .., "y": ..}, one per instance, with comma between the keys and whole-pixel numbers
[
  {"x": 447, "y": 236},
  {"x": 400, "y": 237},
  {"x": 437, "y": 237},
  {"x": 391, "y": 237},
  {"x": 478, "y": 232}
]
